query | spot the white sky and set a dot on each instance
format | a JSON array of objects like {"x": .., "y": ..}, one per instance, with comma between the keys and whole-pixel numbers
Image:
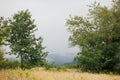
[{"x": 50, "y": 17}]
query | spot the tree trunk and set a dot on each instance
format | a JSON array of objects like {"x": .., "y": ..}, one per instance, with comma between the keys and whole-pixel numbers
[{"x": 21, "y": 56}]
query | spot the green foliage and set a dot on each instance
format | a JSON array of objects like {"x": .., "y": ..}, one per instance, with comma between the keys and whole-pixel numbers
[
  {"x": 1, "y": 55},
  {"x": 23, "y": 41},
  {"x": 9, "y": 64},
  {"x": 63, "y": 68},
  {"x": 49, "y": 65},
  {"x": 66, "y": 67},
  {"x": 98, "y": 36},
  {"x": 70, "y": 66},
  {"x": 58, "y": 68},
  {"x": 3, "y": 30}
]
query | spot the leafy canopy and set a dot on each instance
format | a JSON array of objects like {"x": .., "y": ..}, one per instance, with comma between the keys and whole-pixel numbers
[
  {"x": 98, "y": 35},
  {"x": 23, "y": 41}
]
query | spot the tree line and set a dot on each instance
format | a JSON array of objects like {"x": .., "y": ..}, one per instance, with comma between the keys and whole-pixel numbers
[{"x": 97, "y": 36}]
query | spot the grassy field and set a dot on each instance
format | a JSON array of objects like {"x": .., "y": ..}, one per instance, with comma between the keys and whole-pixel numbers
[{"x": 42, "y": 74}]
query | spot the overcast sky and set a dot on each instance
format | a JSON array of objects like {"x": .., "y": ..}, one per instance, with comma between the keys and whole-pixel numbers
[{"x": 50, "y": 17}]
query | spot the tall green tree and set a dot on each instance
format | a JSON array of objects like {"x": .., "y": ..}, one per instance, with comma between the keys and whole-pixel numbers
[
  {"x": 23, "y": 41},
  {"x": 1, "y": 38},
  {"x": 4, "y": 30},
  {"x": 98, "y": 36},
  {"x": 3, "y": 35}
]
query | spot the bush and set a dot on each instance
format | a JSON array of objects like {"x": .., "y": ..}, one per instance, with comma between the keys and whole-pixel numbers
[
  {"x": 1, "y": 55},
  {"x": 48, "y": 66},
  {"x": 9, "y": 64},
  {"x": 5, "y": 64},
  {"x": 70, "y": 66}
]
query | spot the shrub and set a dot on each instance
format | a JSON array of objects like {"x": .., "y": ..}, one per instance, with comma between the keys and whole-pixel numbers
[
  {"x": 48, "y": 65},
  {"x": 9, "y": 64}
]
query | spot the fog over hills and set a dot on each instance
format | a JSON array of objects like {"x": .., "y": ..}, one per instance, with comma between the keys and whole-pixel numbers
[
  {"x": 58, "y": 58},
  {"x": 61, "y": 59}
]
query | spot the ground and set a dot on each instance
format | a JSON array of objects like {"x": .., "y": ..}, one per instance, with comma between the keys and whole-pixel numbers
[{"x": 42, "y": 74}]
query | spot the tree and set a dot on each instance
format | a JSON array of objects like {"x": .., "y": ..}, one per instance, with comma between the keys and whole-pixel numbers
[
  {"x": 1, "y": 55},
  {"x": 22, "y": 39},
  {"x": 1, "y": 39},
  {"x": 3, "y": 30},
  {"x": 3, "y": 35},
  {"x": 98, "y": 35}
]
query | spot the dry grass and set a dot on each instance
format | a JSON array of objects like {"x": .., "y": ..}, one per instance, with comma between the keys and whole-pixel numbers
[{"x": 41, "y": 74}]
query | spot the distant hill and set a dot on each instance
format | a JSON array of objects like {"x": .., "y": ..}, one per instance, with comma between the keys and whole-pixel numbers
[
  {"x": 61, "y": 59},
  {"x": 58, "y": 58}
]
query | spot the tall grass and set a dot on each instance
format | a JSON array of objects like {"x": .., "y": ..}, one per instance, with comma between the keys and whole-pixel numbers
[{"x": 42, "y": 74}]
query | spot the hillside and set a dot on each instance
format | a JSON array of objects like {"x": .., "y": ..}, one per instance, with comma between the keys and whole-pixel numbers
[
  {"x": 61, "y": 59},
  {"x": 58, "y": 58}
]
